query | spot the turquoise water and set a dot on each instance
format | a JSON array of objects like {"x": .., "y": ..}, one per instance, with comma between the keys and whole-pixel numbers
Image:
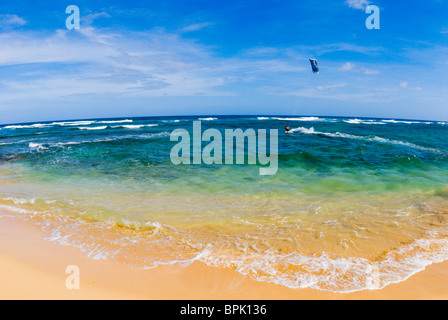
[{"x": 350, "y": 196}]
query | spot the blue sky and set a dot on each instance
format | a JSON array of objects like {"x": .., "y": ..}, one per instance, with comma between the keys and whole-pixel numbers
[{"x": 150, "y": 58}]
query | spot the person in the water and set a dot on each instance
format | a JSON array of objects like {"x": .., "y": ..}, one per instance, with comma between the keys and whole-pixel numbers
[{"x": 287, "y": 129}]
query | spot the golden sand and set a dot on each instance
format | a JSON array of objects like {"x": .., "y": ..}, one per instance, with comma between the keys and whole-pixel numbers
[{"x": 33, "y": 268}]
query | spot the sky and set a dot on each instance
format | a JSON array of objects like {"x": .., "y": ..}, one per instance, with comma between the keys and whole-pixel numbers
[{"x": 206, "y": 57}]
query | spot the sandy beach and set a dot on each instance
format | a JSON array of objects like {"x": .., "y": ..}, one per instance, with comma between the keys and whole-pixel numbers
[{"x": 34, "y": 268}]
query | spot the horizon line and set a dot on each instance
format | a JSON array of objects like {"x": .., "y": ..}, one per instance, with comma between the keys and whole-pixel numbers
[{"x": 221, "y": 115}]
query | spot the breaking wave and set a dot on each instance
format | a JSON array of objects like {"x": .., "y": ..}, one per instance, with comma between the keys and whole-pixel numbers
[{"x": 365, "y": 138}]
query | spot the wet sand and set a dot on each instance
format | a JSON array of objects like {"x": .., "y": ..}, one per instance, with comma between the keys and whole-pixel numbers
[{"x": 34, "y": 268}]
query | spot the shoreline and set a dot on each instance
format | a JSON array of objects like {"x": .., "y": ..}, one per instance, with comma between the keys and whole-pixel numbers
[{"x": 35, "y": 268}]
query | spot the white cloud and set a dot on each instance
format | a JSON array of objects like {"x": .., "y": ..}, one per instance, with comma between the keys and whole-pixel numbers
[
  {"x": 261, "y": 52},
  {"x": 343, "y": 93},
  {"x": 371, "y": 72},
  {"x": 109, "y": 64},
  {"x": 347, "y": 66},
  {"x": 11, "y": 20},
  {"x": 320, "y": 50},
  {"x": 403, "y": 84},
  {"x": 88, "y": 20},
  {"x": 358, "y": 4},
  {"x": 330, "y": 87},
  {"x": 195, "y": 27},
  {"x": 93, "y": 61},
  {"x": 29, "y": 47}
]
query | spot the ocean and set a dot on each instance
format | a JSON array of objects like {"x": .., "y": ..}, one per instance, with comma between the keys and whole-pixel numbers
[{"x": 355, "y": 204}]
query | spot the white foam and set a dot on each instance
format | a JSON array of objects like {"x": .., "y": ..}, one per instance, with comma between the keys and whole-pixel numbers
[
  {"x": 359, "y": 121},
  {"x": 114, "y": 138},
  {"x": 38, "y": 146},
  {"x": 138, "y": 126},
  {"x": 373, "y": 122},
  {"x": 17, "y": 210},
  {"x": 301, "y": 119},
  {"x": 92, "y": 128},
  {"x": 32, "y": 126},
  {"x": 208, "y": 119},
  {"x": 304, "y": 130},
  {"x": 366, "y": 138},
  {"x": 20, "y": 200},
  {"x": 406, "y": 122},
  {"x": 70, "y": 143},
  {"x": 322, "y": 272},
  {"x": 74, "y": 123},
  {"x": 116, "y": 121},
  {"x": 353, "y": 121},
  {"x": 292, "y": 270}
]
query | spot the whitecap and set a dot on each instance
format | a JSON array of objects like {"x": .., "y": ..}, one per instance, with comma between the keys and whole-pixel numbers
[
  {"x": 38, "y": 146},
  {"x": 169, "y": 121},
  {"x": 138, "y": 126},
  {"x": 300, "y": 119},
  {"x": 359, "y": 121},
  {"x": 31, "y": 126},
  {"x": 92, "y": 128},
  {"x": 406, "y": 122},
  {"x": 353, "y": 121},
  {"x": 365, "y": 138},
  {"x": 116, "y": 121},
  {"x": 74, "y": 123},
  {"x": 109, "y": 139}
]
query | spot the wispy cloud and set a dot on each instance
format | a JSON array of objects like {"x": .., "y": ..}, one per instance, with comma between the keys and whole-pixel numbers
[
  {"x": 344, "y": 93},
  {"x": 103, "y": 62},
  {"x": 11, "y": 20},
  {"x": 118, "y": 63},
  {"x": 319, "y": 50},
  {"x": 195, "y": 27},
  {"x": 371, "y": 72},
  {"x": 94, "y": 61},
  {"x": 347, "y": 66},
  {"x": 358, "y": 4},
  {"x": 330, "y": 87},
  {"x": 88, "y": 19}
]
